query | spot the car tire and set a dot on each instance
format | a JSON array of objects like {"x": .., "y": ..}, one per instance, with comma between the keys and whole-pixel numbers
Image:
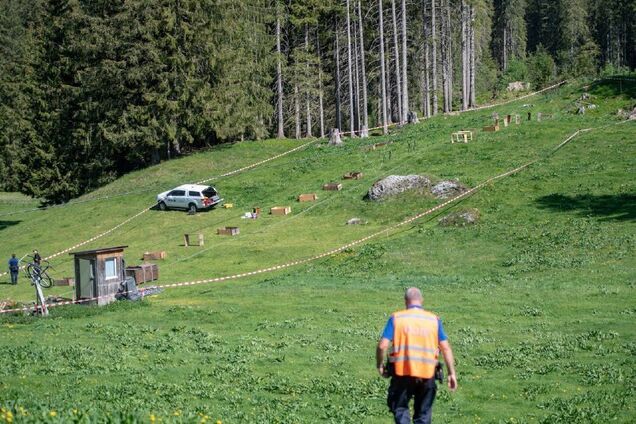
[
  {"x": 192, "y": 208},
  {"x": 162, "y": 206}
]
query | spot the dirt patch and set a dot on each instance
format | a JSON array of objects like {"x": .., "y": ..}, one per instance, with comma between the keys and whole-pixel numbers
[
  {"x": 460, "y": 218},
  {"x": 396, "y": 184},
  {"x": 448, "y": 188}
]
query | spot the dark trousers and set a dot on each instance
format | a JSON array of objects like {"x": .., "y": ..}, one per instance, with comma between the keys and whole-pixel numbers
[
  {"x": 421, "y": 390},
  {"x": 14, "y": 277}
]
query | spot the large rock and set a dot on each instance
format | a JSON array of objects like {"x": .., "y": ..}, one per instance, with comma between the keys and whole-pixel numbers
[
  {"x": 396, "y": 184},
  {"x": 448, "y": 188},
  {"x": 460, "y": 218},
  {"x": 518, "y": 86}
]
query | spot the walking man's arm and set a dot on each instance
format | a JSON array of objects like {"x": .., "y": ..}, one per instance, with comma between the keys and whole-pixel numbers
[
  {"x": 447, "y": 352},
  {"x": 380, "y": 354}
]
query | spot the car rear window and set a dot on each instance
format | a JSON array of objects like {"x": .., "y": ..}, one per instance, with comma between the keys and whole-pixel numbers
[
  {"x": 209, "y": 192},
  {"x": 177, "y": 193},
  {"x": 194, "y": 194}
]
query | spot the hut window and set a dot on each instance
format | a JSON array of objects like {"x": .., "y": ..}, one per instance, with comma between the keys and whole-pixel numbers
[{"x": 111, "y": 268}]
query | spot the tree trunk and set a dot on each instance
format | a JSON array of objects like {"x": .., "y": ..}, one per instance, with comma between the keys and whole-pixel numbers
[
  {"x": 449, "y": 55},
  {"x": 397, "y": 63},
  {"x": 426, "y": 82},
  {"x": 405, "y": 79},
  {"x": 320, "y": 93},
  {"x": 445, "y": 47},
  {"x": 307, "y": 94},
  {"x": 279, "y": 81},
  {"x": 297, "y": 110},
  {"x": 365, "y": 100},
  {"x": 382, "y": 71},
  {"x": 434, "y": 59},
  {"x": 464, "y": 59},
  {"x": 472, "y": 102},
  {"x": 349, "y": 72},
  {"x": 356, "y": 72},
  {"x": 338, "y": 94}
]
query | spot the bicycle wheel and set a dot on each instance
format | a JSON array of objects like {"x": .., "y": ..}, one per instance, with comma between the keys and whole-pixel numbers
[{"x": 46, "y": 281}]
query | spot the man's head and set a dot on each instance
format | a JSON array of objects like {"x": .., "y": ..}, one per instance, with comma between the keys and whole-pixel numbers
[
  {"x": 13, "y": 255},
  {"x": 413, "y": 297},
  {"x": 35, "y": 250}
]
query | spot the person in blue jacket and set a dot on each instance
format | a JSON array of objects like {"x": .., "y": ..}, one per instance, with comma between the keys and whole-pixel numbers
[{"x": 14, "y": 269}]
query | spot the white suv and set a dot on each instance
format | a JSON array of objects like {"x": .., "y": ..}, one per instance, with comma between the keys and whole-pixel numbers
[{"x": 191, "y": 197}]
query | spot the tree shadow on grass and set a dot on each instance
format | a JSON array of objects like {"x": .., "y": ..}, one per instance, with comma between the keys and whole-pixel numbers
[
  {"x": 614, "y": 87},
  {"x": 7, "y": 224},
  {"x": 614, "y": 207}
]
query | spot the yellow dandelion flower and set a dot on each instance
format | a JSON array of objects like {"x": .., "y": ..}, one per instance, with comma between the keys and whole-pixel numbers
[
  {"x": 152, "y": 418},
  {"x": 53, "y": 413}
]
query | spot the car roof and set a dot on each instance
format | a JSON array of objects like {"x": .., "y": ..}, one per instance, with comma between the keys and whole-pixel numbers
[{"x": 196, "y": 187}]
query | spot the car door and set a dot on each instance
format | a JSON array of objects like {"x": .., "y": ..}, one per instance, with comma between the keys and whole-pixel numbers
[{"x": 176, "y": 199}]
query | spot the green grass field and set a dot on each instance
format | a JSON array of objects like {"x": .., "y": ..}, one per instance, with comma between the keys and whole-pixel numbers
[{"x": 538, "y": 299}]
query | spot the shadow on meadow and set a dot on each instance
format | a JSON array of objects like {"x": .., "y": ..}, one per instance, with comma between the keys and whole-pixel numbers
[
  {"x": 7, "y": 224},
  {"x": 619, "y": 207},
  {"x": 614, "y": 88}
]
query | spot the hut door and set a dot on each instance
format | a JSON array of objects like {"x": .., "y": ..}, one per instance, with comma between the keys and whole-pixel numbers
[{"x": 87, "y": 277}]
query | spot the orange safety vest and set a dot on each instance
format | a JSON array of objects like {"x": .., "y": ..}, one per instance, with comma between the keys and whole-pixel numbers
[{"x": 415, "y": 343}]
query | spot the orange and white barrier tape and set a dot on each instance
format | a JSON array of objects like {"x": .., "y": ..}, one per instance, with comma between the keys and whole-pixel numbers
[{"x": 330, "y": 252}]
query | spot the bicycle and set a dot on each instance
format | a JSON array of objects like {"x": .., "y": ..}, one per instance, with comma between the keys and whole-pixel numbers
[{"x": 38, "y": 272}]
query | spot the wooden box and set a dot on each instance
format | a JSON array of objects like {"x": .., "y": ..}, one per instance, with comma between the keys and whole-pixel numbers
[
  {"x": 280, "y": 210},
  {"x": 310, "y": 197},
  {"x": 193, "y": 239},
  {"x": 352, "y": 175},
  {"x": 228, "y": 231},
  {"x": 143, "y": 272},
  {"x": 491, "y": 128},
  {"x": 66, "y": 281},
  {"x": 332, "y": 187},
  {"x": 153, "y": 256}
]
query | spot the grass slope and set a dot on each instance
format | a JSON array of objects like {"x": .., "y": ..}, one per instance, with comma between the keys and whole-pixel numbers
[{"x": 538, "y": 299}]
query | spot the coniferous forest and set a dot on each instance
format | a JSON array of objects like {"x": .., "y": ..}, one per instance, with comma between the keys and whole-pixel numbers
[{"x": 91, "y": 89}]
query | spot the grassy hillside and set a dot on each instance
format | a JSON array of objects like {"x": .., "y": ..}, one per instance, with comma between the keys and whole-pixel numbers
[{"x": 538, "y": 299}]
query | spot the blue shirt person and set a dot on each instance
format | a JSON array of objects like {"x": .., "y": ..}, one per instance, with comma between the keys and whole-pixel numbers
[{"x": 14, "y": 269}]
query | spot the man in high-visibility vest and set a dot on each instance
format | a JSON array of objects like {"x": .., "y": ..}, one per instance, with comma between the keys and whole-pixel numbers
[{"x": 416, "y": 337}]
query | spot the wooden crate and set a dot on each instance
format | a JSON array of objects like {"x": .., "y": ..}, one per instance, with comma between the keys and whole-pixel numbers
[
  {"x": 153, "y": 256},
  {"x": 66, "y": 281},
  {"x": 491, "y": 128},
  {"x": 310, "y": 197},
  {"x": 280, "y": 210},
  {"x": 143, "y": 272},
  {"x": 355, "y": 175},
  {"x": 332, "y": 187},
  {"x": 193, "y": 239},
  {"x": 228, "y": 231}
]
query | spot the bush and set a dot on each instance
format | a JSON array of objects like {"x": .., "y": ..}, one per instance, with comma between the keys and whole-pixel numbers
[{"x": 541, "y": 67}]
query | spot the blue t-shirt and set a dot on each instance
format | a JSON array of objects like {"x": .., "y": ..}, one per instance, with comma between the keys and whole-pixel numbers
[
  {"x": 14, "y": 263},
  {"x": 388, "y": 328}
]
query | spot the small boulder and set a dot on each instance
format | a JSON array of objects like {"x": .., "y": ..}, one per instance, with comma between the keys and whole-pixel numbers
[
  {"x": 356, "y": 221},
  {"x": 460, "y": 218},
  {"x": 632, "y": 116},
  {"x": 448, "y": 188},
  {"x": 396, "y": 184}
]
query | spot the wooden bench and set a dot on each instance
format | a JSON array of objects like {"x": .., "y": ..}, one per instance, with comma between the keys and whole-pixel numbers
[{"x": 461, "y": 136}]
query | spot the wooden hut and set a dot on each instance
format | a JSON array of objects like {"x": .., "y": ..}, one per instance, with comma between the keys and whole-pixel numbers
[{"x": 98, "y": 274}]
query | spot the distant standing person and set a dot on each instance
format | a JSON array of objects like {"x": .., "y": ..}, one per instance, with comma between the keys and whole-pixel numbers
[
  {"x": 14, "y": 269},
  {"x": 36, "y": 257},
  {"x": 416, "y": 336}
]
